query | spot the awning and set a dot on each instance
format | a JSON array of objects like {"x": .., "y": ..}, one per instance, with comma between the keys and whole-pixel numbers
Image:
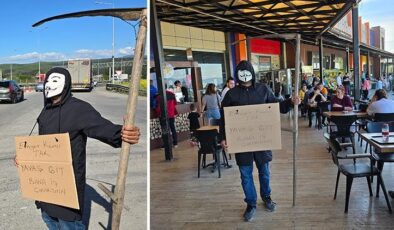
[{"x": 309, "y": 18}]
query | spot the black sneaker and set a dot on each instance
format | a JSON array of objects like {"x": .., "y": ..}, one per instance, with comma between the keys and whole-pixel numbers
[
  {"x": 249, "y": 213},
  {"x": 269, "y": 204}
]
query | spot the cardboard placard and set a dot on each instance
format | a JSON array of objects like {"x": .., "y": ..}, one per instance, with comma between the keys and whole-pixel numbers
[
  {"x": 253, "y": 128},
  {"x": 45, "y": 169}
]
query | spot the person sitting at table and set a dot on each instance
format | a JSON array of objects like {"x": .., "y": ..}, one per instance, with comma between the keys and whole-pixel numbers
[
  {"x": 341, "y": 102},
  {"x": 301, "y": 95},
  {"x": 380, "y": 103},
  {"x": 315, "y": 98},
  {"x": 323, "y": 90}
]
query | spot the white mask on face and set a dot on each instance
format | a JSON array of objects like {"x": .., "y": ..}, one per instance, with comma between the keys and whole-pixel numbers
[
  {"x": 54, "y": 85},
  {"x": 244, "y": 75}
]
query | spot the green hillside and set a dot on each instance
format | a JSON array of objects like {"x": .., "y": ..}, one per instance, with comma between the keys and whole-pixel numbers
[{"x": 25, "y": 73}]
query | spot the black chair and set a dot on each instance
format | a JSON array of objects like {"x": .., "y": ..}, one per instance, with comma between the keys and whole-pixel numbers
[
  {"x": 343, "y": 125},
  {"x": 384, "y": 117},
  {"x": 208, "y": 144},
  {"x": 216, "y": 122},
  {"x": 355, "y": 170}
]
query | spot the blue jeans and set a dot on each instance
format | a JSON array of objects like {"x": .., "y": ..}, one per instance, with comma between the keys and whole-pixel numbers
[
  {"x": 248, "y": 184},
  {"x": 58, "y": 224},
  {"x": 212, "y": 114}
]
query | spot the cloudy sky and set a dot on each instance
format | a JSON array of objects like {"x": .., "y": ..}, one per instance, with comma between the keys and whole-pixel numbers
[{"x": 86, "y": 37}]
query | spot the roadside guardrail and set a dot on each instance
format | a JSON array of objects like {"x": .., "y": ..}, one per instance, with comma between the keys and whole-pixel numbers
[{"x": 122, "y": 89}]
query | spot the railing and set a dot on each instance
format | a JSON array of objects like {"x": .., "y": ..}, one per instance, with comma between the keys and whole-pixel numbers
[{"x": 122, "y": 89}]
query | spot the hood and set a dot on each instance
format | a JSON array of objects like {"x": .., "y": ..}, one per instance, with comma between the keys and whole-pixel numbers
[
  {"x": 245, "y": 65},
  {"x": 66, "y": 93}
]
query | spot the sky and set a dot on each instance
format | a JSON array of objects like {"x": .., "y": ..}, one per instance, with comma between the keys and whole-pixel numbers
[
  {"x": 380, "y": 13},
  {"x": 58, "y": 40}
]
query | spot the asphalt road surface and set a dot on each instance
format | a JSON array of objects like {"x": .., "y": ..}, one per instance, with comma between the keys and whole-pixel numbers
[{"x": 102, "y": 164}]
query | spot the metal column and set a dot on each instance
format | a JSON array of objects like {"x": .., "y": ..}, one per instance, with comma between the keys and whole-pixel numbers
[
  {"x": 347, "y": 60},
  {"x": 367, "y": 70},
  {"x": 387, "y": 67},
  {"x": 283, "y": 55},
  {"x": 157, "y": 49},
  {"x": 321, "y": 58},
  {"x": 248, "y": 49},
  {"x": 295, "y": 118},
  {"x": 356, "y": 53}
]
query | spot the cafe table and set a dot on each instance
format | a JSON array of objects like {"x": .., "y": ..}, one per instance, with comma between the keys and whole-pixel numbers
[
  {"x": 208, "y": 127},
  {"x": 359, "y": 114},
  {"x": 383, "y": 151}
]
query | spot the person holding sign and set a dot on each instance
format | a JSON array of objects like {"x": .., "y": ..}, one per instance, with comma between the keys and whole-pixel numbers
[
  {"x": 63, "y": 113},
  {"x": 249, "y": 92}
]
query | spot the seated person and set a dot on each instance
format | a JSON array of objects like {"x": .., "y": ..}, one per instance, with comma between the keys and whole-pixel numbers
[
  {"x": 323, "y": 89},
  {"x": 380, "y": 103},
  {"x": 301, "y": 94},
  {"x": 315, "y": 98},
  {"x": 340, "y": 101}
]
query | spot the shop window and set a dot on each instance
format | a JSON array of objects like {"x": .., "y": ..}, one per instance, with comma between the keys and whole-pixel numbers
[{"x": 212, "y": 68}]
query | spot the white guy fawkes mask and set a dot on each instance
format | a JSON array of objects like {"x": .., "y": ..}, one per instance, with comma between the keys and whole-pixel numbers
[
  {"x": 54, "y": 85},
  {"x": 244, "y": 75}
]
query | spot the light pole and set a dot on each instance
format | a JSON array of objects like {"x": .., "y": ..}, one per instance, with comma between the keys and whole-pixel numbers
[
  {"x": 38, "y": 50},
  {"x": 113, "y": 38}
]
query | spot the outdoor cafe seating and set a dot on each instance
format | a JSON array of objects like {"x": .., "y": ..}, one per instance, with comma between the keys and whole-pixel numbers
[
  {"x": 208, "y": 144},
  {"x": 355, "y": 170}
]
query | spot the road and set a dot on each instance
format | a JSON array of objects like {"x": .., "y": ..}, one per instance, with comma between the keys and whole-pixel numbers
[{"x": 102, "y": 163}]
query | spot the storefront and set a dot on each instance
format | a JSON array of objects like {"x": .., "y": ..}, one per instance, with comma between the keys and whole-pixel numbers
[
  {"x": 334, "y": 62},
  {"x": 189, "y": 53}
]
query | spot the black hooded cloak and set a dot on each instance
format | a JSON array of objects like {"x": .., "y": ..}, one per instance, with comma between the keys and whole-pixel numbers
[
  {"x": 253, "y": 95},
  {"x": 80, "y": 120}
]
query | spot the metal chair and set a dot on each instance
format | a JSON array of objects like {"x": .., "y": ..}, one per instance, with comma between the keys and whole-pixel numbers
[
  {"x": 216, "y": 122},
  {"x": 208, "y": 144},
  {"x": 343, "y": 125},
  {"x": 355, "y": 170}
]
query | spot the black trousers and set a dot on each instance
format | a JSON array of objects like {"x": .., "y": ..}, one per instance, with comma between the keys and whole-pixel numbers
[
  {"x": 365, "y": 94},
  {"x": 171, "y": 123}
]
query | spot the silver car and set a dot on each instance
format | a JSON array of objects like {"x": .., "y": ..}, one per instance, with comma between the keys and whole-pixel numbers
[
  {"x": 10, "y": 91},
  {"x": 40, "y": 87}
]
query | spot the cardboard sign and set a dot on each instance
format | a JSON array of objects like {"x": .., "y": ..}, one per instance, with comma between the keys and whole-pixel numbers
[
  {"x": 45, "y": 169},
  {"x": 252, "y": 128}
]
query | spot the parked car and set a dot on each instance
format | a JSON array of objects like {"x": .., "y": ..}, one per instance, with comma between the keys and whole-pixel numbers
[
  {"x": 10, "y": 91},
  {"x": 40, "y": 87}
]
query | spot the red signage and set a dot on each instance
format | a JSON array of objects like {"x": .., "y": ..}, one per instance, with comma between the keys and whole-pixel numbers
[{"x": 264, "y": 46}]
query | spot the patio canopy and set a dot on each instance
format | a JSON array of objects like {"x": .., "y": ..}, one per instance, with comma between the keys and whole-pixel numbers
[{"x": 310, "y": 18}]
